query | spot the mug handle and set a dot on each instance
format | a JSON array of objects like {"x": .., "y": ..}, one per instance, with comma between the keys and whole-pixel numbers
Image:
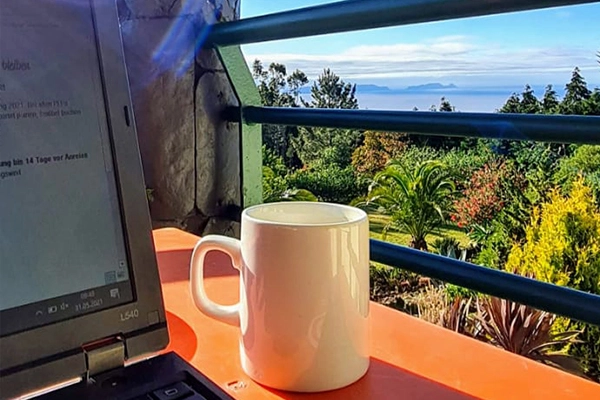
[{"x": 232, "y": 247}]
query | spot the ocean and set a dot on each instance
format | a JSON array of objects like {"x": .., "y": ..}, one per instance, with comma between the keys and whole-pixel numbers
[
  {"x": 480, "y": 102},
  {"x": 463, "y": 99}
]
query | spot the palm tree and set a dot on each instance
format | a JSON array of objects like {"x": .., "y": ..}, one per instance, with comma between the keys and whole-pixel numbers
[{"x": 417, "y": 200}]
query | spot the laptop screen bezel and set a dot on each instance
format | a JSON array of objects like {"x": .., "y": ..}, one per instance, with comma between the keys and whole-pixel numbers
[{"x": 29, "y": 349}]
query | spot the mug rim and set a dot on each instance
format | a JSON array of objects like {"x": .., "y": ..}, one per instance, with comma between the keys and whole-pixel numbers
[{"x": 361, "y": 215}]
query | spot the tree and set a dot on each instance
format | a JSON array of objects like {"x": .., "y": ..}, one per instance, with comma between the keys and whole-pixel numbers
[
  {"x": 592, "y": 105},
  {"x": 528, "y": 154},
  {"x": 329, "y": 91},
  {"x": 576, "y": 94},
  {"x": 417, "y": 199},
  {"x": 446, "y": 106},
  {"x": 435, "y": 141},
  {"x": 512, "y": 105},
  {"x": 376, "y": 150},
  {"x": 529, "y": 103},
  {"x": 550, "y": 101},
  {"x": 277, "y": 89},
  {"x": 525, "y": 103}
]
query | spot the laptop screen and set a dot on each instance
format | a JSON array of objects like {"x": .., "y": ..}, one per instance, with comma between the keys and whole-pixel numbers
[{"x": 62, "y": 246}]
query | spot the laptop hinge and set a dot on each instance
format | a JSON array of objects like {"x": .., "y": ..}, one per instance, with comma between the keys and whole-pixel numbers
[{"x": 104, "y": 355}]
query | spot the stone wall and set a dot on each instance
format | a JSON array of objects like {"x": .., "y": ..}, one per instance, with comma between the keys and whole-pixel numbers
[{"x": 191, "y": 157}]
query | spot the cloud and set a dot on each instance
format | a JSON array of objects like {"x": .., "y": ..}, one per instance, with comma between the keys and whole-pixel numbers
[{"x": 448, "y": 56}]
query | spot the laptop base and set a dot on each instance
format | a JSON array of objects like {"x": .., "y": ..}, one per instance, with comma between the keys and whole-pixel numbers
[{"x": 164, "y": 377}]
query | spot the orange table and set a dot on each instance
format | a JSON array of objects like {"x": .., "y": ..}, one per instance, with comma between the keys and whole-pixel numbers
[{"x": 411, "y": 359}]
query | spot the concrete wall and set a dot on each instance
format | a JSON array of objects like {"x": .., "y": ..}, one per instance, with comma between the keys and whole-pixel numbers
[{"x": 191, "y": 157}]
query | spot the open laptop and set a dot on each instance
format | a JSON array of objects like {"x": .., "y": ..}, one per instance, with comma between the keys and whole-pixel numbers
[{"x": 80, "y": 295}]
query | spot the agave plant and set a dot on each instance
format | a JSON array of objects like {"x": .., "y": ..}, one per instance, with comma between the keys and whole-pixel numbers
[
  {"x": 525, "y": 331},
  {"x": 449, "y": 247}
]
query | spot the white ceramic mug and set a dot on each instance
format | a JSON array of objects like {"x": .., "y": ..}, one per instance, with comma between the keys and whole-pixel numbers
[{"x": 304, "y": 293}]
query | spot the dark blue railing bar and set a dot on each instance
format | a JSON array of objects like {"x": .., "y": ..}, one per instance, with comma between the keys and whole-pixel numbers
[
  {"x": 353, "y": 15},
  {"x": 548, "y": 128},
  {"x": 544, "y": 296}
]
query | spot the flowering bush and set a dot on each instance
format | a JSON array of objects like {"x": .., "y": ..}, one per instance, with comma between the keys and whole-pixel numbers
[{"x": 483, "y": 197}]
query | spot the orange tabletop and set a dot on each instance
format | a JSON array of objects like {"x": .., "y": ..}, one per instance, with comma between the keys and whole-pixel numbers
[{"x": 410, "y": 358}]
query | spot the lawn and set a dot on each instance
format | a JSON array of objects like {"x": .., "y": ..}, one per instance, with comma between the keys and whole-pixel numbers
[{"x": 378, "y": 221}]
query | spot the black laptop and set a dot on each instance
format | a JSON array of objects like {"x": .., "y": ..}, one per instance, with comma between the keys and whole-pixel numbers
[{"x": 81, "y": 309}]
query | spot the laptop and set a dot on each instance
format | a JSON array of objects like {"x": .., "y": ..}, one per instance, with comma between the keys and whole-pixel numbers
[{"x": 81, "y": 309}]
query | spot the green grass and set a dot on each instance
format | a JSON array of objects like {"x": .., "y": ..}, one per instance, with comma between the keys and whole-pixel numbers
[{"x": 377, "y": 222}]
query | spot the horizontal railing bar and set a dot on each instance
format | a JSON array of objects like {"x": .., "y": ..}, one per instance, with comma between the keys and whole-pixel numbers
[
  {"x": 547, "y": 128},
  {"x": 544, "y": 296},
  {"x": 353, "y": 15}
]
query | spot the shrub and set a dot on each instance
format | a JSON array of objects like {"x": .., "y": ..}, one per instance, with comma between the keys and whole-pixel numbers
[
  {"x": 275, "y": 181},
  {"x": 274, "y": 162},
  {"x": 458, "y": 292},
  {"x": 329, "y": 182},
  {"x": 563, "y": 241},
  {"x": 429, "y": 303},
  {"x": 494, "y": 203},
  {"x": 432, "y": 304},
  {"x": 585, "y": 161},
  {"x": 495, "y": 244},
  {"x": 414, "y": 155},
  {"x": 536, "y": 162},
  {"x": 523, "y": 330},
  {"x": 562, "y": 246},
  {"x": 273, "y": 185},
  {"x": 388, "y": 284},
  {"x": 483, "y": 197},
  {"x": 463, "y": 163}
]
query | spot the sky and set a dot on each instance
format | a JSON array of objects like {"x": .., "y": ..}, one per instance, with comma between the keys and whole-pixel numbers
[{"x": 532, "y": 47}]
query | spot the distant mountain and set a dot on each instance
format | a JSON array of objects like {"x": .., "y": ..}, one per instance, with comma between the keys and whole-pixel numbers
[
  {"x": 372, "y": 88},
  {"x": 431, "y": 86}
]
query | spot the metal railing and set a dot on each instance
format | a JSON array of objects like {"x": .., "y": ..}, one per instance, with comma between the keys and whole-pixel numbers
[{"x": 355, "y": 15}]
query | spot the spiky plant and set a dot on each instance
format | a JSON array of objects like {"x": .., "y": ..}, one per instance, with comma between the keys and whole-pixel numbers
[
  {"x": 456, "y": 316},
  {"x": 525, "y": 331}
]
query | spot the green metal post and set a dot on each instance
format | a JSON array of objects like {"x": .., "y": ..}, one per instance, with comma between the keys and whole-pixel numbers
[{"x": 251, "y": 134}]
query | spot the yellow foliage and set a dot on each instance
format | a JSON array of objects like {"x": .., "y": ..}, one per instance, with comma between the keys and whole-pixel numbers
[
  {"x": 562, "y": 241},
  {"x": 562, "y": 246}
]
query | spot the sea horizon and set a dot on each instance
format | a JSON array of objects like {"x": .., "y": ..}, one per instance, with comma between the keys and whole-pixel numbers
[{"x": 464, "y": 99}]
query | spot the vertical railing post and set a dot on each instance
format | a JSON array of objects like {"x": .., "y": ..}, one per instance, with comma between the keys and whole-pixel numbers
[{"x": 251, "y": 134}]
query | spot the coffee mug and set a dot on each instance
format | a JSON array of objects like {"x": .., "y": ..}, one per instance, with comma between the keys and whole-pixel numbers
[{"x": 304, "y": 293}]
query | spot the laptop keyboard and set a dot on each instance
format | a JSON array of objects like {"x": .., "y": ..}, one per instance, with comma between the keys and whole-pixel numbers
[{"x": 176, "y": 391}]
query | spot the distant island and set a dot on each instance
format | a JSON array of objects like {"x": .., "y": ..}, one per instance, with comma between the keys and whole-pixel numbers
[
  {"x": 378, "y": 89},
  {"x": 431, "y": 86},
  {"x": 372, "y": 88}
]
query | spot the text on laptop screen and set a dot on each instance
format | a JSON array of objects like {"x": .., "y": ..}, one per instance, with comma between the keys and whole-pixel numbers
[{"x": 62, "y": 247}]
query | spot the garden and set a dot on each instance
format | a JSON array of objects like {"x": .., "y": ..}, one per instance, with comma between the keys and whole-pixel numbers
[{"x": 529, "y": 208}]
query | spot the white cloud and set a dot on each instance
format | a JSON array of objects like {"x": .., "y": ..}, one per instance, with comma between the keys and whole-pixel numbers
[{"x": 448, "y": 56}]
